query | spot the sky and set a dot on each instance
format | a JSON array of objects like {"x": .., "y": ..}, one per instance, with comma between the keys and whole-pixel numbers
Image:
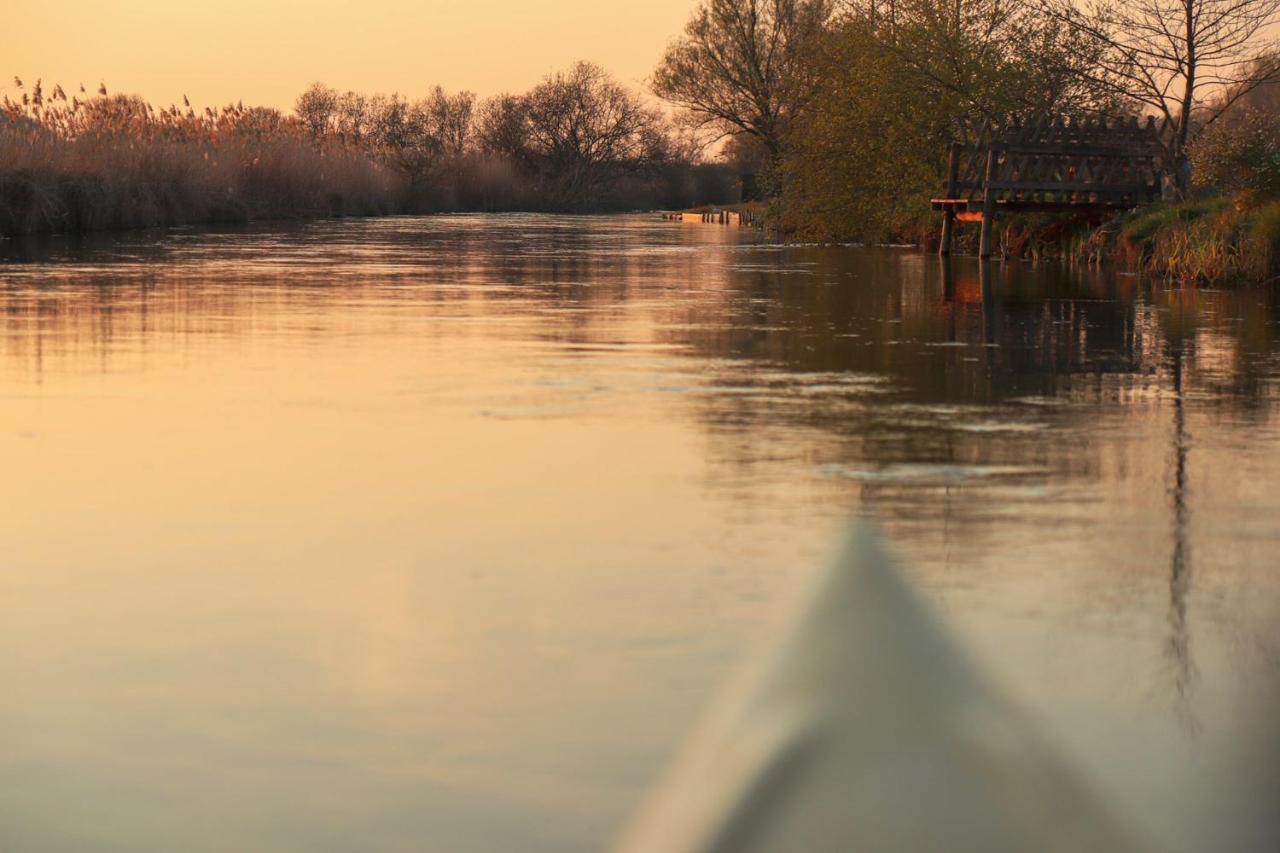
[{"x": 267, "y": 51}]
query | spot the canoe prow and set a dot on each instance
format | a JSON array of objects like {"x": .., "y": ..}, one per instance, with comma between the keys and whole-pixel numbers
[{"x": 865, "y": 728}]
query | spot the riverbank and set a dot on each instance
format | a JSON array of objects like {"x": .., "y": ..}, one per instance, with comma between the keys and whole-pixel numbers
[
  {"x": 112, "y": 185},
  {"x": 1210, "y": 240},
  {"x": 1214, "y": 240},
  {"x": 108, "y": 186}
]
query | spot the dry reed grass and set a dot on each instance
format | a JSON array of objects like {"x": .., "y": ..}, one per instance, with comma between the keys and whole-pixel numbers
[
  {"x": 98, "y": 161},
  {"x": 109, "y": 162},
  {"x": 1204, "y": 241}
]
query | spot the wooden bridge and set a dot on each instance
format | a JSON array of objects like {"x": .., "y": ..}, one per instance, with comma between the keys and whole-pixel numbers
[{"x": 1059, "y": 164}]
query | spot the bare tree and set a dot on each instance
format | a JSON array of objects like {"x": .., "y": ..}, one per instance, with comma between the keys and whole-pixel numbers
[
  {"x": 450, "y": 119},
  {"x": 353, "y": 116},
  {"x": 583, "y": 126},
  {"x": 316, "y": 108},
  {"x": 1170, "y": 56},
  {"x": 741, "y": 65},
  {"x": 401, "y": 133},
  {"x": 502, "y": 127}
]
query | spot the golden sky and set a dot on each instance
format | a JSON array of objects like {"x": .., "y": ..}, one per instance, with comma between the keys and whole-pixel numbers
[{"x": 266, "y": 51}]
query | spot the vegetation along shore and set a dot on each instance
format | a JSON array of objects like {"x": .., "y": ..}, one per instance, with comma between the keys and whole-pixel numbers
[
  {"x": 576, "y": 142},
  {"x": 837, "y": 116}
]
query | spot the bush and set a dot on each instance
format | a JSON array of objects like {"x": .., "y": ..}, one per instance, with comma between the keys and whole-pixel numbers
[
  {"x": 1240, "y": 153},
  {"x": 1264, "y": 232}
]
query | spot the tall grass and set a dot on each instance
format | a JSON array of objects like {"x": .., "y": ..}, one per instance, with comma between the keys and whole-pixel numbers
[
  {"x": 1208, "y": 240},
  {"x": 106, "y": 162},
  {"x": 97, "y": 162}
]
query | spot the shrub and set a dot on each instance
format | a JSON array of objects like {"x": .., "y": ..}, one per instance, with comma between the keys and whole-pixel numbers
[
  {"x": 1240, "y": 153},
  {"x": 1264, "y": 235}
]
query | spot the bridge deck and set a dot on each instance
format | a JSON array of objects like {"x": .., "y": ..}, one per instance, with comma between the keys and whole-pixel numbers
[{"x": 960, "y": 206}]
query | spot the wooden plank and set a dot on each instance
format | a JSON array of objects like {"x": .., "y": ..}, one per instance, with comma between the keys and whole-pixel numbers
[
  {"x": 1068, "y": 186},
  {"x": 1059, "y": 207},
  {"x": 1083, "y": 149}
]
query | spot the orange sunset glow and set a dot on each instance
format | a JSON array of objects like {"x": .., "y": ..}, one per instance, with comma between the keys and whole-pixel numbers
[
  {"x": 268, "y": 52},
  {"x": 639, "y": 426}
]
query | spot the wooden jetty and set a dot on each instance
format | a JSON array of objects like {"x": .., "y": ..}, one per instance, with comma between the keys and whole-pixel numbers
[
  {"x": 1064, "y": 163},
  {"x": 742, "y": 218}
]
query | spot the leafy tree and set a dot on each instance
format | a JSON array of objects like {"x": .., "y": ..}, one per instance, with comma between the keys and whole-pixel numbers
[
  {"x": 859, "y": 165},
  {"x": 992, "y": 56},
  {"x": 1240, "y": 151},
  {"x": 896, "y": 89}
]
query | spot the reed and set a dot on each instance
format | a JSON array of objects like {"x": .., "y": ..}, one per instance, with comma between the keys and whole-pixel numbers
[
  {"x": 100, "y": 161},
  {"x": 104, "y": 162},
  {"x": 1201, "y": 241}
]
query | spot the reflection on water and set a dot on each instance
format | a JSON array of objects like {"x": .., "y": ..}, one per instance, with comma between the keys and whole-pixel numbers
[
  {"x": 436, "y": 533},
  {"x": 1180, "y": 563}
]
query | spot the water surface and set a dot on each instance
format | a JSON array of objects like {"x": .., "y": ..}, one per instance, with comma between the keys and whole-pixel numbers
[{"x": 437, "y": 533}]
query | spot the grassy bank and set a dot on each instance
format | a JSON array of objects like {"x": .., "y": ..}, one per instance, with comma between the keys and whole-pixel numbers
[{"x": 1211, "y": 240}]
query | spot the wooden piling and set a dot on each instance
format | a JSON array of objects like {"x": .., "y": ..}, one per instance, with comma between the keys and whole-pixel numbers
[
  {"x": 988, "y": 204},
  {"x": 949, "y": 213}
]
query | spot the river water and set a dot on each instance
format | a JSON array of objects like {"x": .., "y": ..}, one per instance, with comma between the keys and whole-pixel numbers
[{"x": 437, "y": 533}]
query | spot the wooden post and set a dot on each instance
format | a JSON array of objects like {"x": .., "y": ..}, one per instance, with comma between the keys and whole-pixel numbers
[
  {"x": 988, "y": 204},
  {"x": 949, "y": 213},
  {"x": 988, "y": 308},
  {"x": 948, "y": 226}
]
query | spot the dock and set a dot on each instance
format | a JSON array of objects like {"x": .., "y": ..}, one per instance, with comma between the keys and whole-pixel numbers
[{"x": 1058, "y": 164}]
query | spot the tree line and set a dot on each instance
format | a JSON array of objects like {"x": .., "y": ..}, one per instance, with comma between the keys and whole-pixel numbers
[{"x": 578, "y": 140}]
